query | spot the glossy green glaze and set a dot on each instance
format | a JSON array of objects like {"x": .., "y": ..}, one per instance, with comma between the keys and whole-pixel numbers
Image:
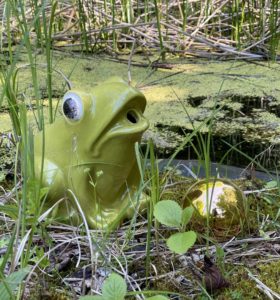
[{"x": 90, "y": 150}]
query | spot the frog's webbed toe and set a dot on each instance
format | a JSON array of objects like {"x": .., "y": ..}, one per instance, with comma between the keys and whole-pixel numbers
[{"x": 112, "y": 217}]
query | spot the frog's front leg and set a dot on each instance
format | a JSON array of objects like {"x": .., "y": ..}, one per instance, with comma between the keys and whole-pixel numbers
[
  {"x": 104, "y": 217},
  {"x": 97, "y": 209},
  {"x": 53, "y": 178},
  {"x": 89, "y": 205}
]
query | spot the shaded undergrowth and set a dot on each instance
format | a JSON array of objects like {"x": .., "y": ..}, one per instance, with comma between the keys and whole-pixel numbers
[{"x": 62, "y": 262}]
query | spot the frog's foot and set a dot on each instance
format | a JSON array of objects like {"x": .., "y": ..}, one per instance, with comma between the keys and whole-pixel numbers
[
  {"x": 136, "y": 206},
  {"x": 104, "y": 219},
  {"x": 111, "y": 217}
]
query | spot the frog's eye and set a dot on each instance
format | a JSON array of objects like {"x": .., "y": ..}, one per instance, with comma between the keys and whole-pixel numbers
[{"x": 72, "y": 107}]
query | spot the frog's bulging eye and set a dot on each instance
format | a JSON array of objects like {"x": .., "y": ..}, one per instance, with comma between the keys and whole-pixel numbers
[{"x": 72, "y": 107}]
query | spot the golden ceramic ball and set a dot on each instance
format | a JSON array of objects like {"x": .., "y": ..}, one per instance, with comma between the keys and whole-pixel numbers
[{"x": 216, "y": 198}]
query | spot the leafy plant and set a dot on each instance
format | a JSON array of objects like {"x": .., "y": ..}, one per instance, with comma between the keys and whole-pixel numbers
[
  {"x": 115, "y": 288},
  {"x": 9, "y": 284},
  {"x": 169, "y": 213}
]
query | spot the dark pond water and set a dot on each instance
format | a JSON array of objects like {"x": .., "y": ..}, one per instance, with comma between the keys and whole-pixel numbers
[{"x": 194, "y": 168}]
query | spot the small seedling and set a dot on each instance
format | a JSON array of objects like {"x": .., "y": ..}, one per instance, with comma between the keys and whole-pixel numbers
[
  {"x": 115, "y": 288},
  {"x": 169, "y": 213}
]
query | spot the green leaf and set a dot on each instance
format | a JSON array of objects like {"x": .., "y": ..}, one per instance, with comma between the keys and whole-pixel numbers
[
  {"x": 271, "y": 184},
  {"x": 272, "y": 200},
  {"x": 186, "y": 215},
  {"x": 10, "y": 210},
  {"x": 38, "y": 255},
  {"x": 181, "y": 242},
  {"x": 91, "y": 298},
  {"x": 158, "y": 297},
  {"x": 12, "y": 282},
  {"x": 168, "y": 212},
  {"x": 220, "y": 254},
  {"x": 2, "y": 176},
  {"x": 114, "y": 288}
]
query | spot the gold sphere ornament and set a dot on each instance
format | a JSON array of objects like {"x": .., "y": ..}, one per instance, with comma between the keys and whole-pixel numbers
[{"x": 219, "y": 199}]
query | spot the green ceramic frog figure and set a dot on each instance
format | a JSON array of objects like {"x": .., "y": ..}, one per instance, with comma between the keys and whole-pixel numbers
[{"x": 90, "y": 151}]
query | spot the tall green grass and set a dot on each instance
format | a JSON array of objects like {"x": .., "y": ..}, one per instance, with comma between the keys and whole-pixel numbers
[
  {"x": 28, "y": 209},
  {"x": 47, "y": 46},
  {"x": 83, "y": 25},
  {"x": 274, "y": 29},
  {"x": 252, "y": 25},
  {"x": 158, "y": 18},
  {"x": 154, "y": 183}
]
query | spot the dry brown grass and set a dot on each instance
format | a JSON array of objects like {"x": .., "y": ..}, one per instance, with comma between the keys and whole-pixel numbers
[{"x": 211, "y": 29}]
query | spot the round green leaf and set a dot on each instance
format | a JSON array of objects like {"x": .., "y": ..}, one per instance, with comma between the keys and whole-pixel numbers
[
  {"x": 168, "y": 212},
  {"x": 181, "y": 242},
  {"x": 114, "y": 288},
  {"x": 186, "y": 215}
]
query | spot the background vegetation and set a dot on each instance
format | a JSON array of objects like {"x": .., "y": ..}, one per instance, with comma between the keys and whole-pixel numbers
[{"x": 227, "y": 29}]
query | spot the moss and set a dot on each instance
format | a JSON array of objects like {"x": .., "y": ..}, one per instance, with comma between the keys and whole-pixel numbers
[
  {"x": 7, "y": 160},
  {"x": 251, "y": 212},
  {"x": 52, "y": 293},
  {"x": 243, "y": 287}
]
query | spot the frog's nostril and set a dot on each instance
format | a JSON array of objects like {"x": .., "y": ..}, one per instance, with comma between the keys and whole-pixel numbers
[{"x": 132, "y": 117}]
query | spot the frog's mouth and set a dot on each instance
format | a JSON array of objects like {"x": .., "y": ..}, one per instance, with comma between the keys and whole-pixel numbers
[{"x": 122, "y": 132}]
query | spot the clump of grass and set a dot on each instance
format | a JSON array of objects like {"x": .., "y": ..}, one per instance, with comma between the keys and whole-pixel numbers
[{"x": 27, "y": 206}]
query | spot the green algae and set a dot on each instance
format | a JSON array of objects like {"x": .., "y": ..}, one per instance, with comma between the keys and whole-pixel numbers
[
  {"x": 242, "y": 99},
  {"x": 5, "y": 122},
  {"x": 186, "y": 79}
]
